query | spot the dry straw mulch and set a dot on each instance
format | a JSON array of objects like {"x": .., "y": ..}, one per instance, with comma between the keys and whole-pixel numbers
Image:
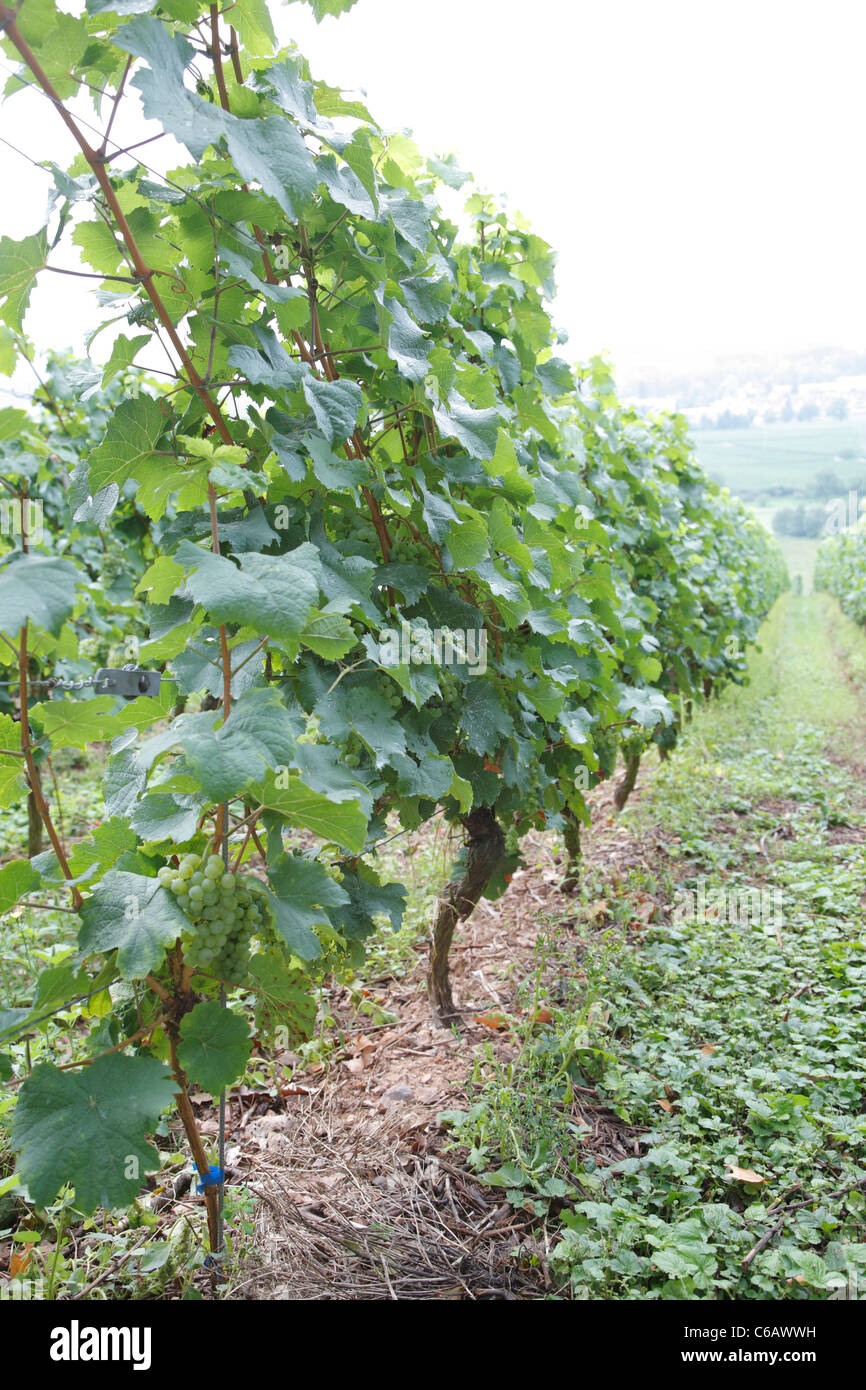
[{"x": 359, "y": 1196}]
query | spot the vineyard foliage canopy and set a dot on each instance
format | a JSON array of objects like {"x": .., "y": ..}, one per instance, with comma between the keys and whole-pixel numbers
[{"x": 393, "y": 554}]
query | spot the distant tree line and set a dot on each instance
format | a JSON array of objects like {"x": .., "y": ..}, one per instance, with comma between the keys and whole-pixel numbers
[
  {"x": 800, "y": 521},
  {"x": 727, "y": 377},
  {"x": 828, "y": 485},
  {"x": 737, "y": 420}
]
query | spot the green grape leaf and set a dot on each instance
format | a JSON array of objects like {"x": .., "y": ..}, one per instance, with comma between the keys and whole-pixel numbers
[
  {"x": 431, "y": 777},
  {"x": 373, "y": 720},
  {"x": 254, "y": 26},
  {"x": 577, "y": 724},
  {"x": 38, "y": 589},
  {"x": 89, "y": 1127},
  {"x": 467, "y": 542},
  {"x": 12, "y": 423},
  {"x": 75, "y": 723},
  {"x": 330, "y": 469},
  {"x": 98, "y": 246},
  {"x": 16, "y": 878},
  {"x": 200, "y": 666},
  {"x": 411, "y": 580},
  {"x": 272, "y": 594},
  {"x": 133, "y": 915},
  {"x": 258, "y": 736},
  {"x": 301, "y": 893},
  {"x": 408, "y": 346},
  {"x": 342, "y": 822},
  {"x": 267, "y": 365},
  {"x": 124, "y": 349},
  {"x": 20, "y": 263},
  {"x": 476, "y": 430},
  {"x": 329, "y": 635},
  {"x": 284, "y": 1003},
  {"x": 241, "y": 269},
  {"x": 58, "y": 984},
  {"x": 125, "y": 780},
  {"x": 109, "y": 841},
  {"x": 646, "y": 706},
  {"x": 92, "y": 511},
  {"x": 271, "y": 151},
  {"x": 230, "y": 477},
  {"x": 163, "y": 816},
  {"x": 462, "y": 792},
  {"x": 160, "y": 580},
  {"x": 409, "y": 216},
  {"x": 556, "y": 377},
  {"x": 322, "y": 767},
  {"x": 448, "y": 171},
  {"x": 367, "y": 900},
  {"x": 215, "y": 1046},
  {"x": 194, "y": 122},
  {"x": 323, "y": 8},
  {"x": 359, "y": 158},
  {"x": 335, "y": 404},
  {"x": 483, "y": 719},
  {"x": 8, "y": 351},
  {"x": 133, "y": 429}
]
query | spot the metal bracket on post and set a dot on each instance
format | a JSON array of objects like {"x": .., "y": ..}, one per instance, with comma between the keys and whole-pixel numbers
[{"x": 130, "y": 682}]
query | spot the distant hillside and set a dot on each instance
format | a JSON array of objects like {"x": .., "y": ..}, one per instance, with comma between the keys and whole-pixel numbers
[
  {"x": 820, "y": 459},
  {"x": 767, "y": 388}
]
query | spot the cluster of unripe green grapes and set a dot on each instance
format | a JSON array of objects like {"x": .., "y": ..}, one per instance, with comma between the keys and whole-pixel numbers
[
  {"x": 353, "y": 753},
  {"x": 605, "y": 746},
  {"x": 224, "y": 912},
  {"x": 333, "y": 870},
  {"x": 388, "y": 691},
  {"x": 411, "y": 552},
  {"x": 351, "y": 526},
  {"x": 311, "y": 733},
  {"x": 512, "y": 840},
  {"x": 448, "y": 685}
]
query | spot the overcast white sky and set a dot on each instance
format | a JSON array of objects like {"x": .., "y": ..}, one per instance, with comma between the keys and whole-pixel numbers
[{"x": 698, "y": 166}]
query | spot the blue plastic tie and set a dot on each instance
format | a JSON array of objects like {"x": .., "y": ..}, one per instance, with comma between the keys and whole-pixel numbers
[{"x": 212, "y": 1178}]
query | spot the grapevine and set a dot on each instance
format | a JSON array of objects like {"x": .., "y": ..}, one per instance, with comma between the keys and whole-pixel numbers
[{"x": 367, "y": 428}]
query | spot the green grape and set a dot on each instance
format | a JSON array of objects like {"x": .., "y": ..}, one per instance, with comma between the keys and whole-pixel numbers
[{"x": 224, "y": 911}]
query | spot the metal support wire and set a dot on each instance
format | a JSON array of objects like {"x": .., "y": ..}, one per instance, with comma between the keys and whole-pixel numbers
[{"x": 130, "y": 682}]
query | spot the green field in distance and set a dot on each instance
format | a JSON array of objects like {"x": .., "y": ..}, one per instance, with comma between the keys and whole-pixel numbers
[{"x": 757, "y": 459}]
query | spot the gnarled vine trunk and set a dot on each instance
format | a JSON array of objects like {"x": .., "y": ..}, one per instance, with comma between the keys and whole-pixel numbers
[
  {"x": 485, "y": 846},
  {"x": 625, "y": 787}
]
